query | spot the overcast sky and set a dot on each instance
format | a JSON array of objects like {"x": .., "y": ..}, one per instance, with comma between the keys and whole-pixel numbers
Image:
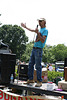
[{"x": 28, "y": 11}]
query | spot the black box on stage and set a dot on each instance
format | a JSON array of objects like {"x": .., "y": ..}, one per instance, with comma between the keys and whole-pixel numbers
[
  {"x": 23, "y": 72},
  {"x": 7, "y": 67},
  {"x": 65, "y": 69},
  {"x": 65, "y": 62}
]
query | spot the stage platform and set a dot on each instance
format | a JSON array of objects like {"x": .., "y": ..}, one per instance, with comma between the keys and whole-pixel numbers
[{"x": 40, "y": 90}]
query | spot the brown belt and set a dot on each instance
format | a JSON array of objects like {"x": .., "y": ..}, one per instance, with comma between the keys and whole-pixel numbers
[{"x": 36, "y": 48}]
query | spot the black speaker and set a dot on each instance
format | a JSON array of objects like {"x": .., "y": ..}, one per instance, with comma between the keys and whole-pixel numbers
[
  {"x": 65, "y": 62},
  {"x": 23, "y": 72},
  {"x": 7, "y": 67}
]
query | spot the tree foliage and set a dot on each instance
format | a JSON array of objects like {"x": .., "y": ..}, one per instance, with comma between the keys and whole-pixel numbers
[
  {"x": 47, "y": 54},
  {"x": 26, "y": 56},
  {"x": 15, "y": 37},
  {"x": 51, "y": 54},
  {"x": 60, "y": 52}
]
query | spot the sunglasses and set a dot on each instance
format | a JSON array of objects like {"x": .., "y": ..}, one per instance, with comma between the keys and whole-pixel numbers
[{"x": 40, "y": 20}]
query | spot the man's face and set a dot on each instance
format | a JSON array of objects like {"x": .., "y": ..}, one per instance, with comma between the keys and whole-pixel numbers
[{"x": 41, "y": 22}]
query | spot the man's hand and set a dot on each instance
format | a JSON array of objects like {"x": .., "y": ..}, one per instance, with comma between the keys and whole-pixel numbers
[{"x": 23, "y": 25}]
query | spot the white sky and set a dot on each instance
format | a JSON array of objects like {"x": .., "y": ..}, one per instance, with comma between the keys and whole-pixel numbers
[{"x": 27, "y": 11}]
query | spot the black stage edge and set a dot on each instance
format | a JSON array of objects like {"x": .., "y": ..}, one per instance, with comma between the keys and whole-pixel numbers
[{"x": 38, "y": 90}]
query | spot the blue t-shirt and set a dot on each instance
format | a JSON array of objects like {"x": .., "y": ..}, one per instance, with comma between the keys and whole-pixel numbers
[{"x": 38, "y": 43}]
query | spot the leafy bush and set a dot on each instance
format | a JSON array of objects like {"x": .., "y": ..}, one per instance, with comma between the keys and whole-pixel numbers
[{"x": 52, "y": 75}]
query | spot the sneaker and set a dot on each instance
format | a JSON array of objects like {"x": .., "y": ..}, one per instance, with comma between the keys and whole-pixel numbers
[
  {"x": 29, "y": 81},
  {"x": 38, "y": 84}
]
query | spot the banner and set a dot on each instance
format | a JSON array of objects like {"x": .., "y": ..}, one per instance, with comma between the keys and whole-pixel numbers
[{"x": 11, "y": 96}]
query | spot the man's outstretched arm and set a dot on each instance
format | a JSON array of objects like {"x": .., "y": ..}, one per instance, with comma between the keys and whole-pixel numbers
[
  {"x": 42, "y": 39},
  {"x": 24, "y": 25}
]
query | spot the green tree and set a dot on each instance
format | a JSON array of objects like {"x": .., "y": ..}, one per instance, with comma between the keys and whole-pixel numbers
[
  {"x": 15, "y": 37},
  {"x": 26, "y": 56},
  {"x": 60, "y": 52},
  {"x": 47, "y": 54}
]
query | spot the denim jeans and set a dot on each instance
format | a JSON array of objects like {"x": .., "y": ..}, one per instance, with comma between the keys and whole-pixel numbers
[{"x": 35, "y": 58}]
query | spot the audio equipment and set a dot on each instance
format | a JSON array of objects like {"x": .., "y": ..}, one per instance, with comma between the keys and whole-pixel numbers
[
  {"x": 23, "y": 72},
  {"x": 7, "y": 67}
]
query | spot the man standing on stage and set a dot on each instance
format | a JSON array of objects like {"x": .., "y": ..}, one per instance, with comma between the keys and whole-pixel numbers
[{"x": 36, "y": 55}]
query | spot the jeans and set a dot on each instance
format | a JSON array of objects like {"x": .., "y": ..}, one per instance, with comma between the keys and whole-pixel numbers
[{"x": 35, "y": 58}]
